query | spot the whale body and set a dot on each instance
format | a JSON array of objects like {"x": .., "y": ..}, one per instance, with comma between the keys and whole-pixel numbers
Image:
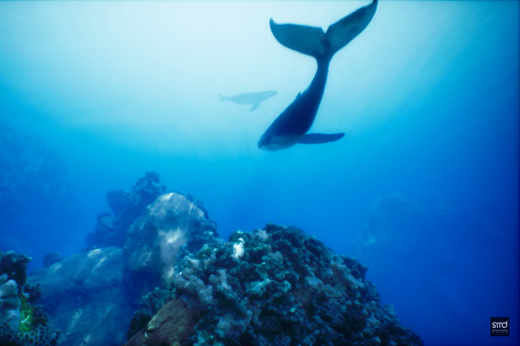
[
  {"x": 292, "y": 125},
  {"x": 253, "y": 99}
]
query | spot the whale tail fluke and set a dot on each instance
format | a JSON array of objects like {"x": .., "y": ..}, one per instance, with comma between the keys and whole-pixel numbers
[
  {"x": 345, "y": 30},
  {"x": 301, "y": 38},
  {"x": 222, "y": 98},
  {"x": 314, "y": 42}
]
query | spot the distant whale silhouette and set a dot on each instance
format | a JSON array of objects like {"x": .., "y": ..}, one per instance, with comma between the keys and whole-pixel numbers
[
  {"x": 249, "y": 98},
  {"x": 291, "y": 127}
]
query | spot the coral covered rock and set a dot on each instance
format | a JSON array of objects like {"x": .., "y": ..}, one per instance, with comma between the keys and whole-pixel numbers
[
  {"x": 172, "y": 325},
  {"x": 21, "y": 322},
  {"x": 275, "y": 286},
  {"x": 279, "y": 286},
  {"x": 9, "y": 303},
  {"x": 40, "y": 336},
  {"x": 157, "y": 237},
  {"x": 126, "y": 208},
  {"x": 14, "y": 266},
  {"x": 153, "y": 302}
]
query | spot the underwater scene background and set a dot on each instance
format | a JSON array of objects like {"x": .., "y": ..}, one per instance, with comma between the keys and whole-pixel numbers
[{"x": 422, "y": 190}]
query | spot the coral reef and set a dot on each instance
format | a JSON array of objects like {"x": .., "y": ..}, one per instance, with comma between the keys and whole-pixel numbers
[
  {"x": 184, "y": 285},
  {"x": 195, "y": 200},
  {"x": 126, "y": 208},
  {"x": 21, "y": 322},
  {"x": 168, "y": 226},
  {"x": 40, "y": 336},
  {"x": 153, "y": 302},
  {"x": 15, "y": 267},
  {"x": 276, "y": 286},
  {"x": 32, "y": 291},
  {"x": 173, "y": 325},
  {"x": 9, "y": 302},
  {"x": 149, "y": 230}
]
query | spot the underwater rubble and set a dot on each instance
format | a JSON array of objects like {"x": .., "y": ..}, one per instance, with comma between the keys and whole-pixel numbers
[
  {"x": 170, "y": 279},
  {"x": 22, "y": 322}
]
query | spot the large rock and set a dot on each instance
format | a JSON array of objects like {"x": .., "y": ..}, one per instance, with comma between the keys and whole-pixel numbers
[
  {"x": 276, "y": 286},
  {"x": 84, "y": 296},
  {"x": 126, "y": 208},
  {"x": 172, "y": 325},
  {"x": 155, "y": 239},
  {"x": 92, "y": 296}
]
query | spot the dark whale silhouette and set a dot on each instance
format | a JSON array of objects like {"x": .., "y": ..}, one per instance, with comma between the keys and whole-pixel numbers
[{"x": 292, "y": 125}]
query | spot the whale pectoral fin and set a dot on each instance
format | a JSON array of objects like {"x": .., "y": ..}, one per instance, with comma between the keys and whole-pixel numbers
[
  {"x": 255, "y": 106},
  {"x": 301, "y": 38},
  {"x": 320, "y": 138},
  {"x": 345, "y": 30}
]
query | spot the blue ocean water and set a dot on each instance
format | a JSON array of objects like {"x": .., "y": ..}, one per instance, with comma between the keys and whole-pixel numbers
[{"x": 423, "y": 189}]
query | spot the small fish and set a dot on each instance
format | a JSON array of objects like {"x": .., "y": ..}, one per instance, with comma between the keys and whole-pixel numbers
[{"x": 249, "y": 98}]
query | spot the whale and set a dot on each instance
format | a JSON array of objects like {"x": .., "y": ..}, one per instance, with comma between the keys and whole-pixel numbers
[
  {"x": 254, "y": 99},
  {"x": 292, "y": 125}
]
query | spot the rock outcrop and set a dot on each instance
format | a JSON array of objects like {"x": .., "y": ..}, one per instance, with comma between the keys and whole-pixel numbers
[
  {"x": 155, "y": 240},
  {"x": 172, "y": 325},
  {"x": 276, "y": 286},
  {"x": 111, "y": 229},
  {"x": 92, "y": 296},
  {"x": 84, "y": 296},
  {"x": 184, "y": 285}
]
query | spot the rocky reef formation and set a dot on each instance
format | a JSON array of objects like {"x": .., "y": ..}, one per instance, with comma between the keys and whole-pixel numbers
[
  {"x": 84, "y": 295},
  {"x": 126, "y": 207},
  {"x": 92, "y": 296},
  {"x": 33, "y": 179},
  {"x": 155, "y": 240},
  {"x": 172, "y": 280},
  {"x": 276, "y": 286},
  {"x": 22, "y": 323}
]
